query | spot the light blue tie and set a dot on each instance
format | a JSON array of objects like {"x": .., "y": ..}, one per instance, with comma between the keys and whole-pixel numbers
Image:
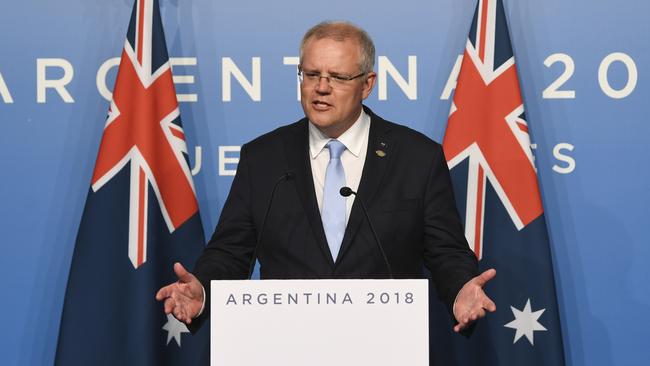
[{"x": 333, "y": 213}]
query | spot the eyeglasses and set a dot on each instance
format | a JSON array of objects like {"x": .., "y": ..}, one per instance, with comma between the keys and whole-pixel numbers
[{"x": 313, "y": 77}]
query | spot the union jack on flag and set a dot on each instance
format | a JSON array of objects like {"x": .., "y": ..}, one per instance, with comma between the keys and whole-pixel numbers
[
  {"x": 141, "y": 216},
  {"x": 488, "y": 126},
  {"x": 144, "y": 128},
  {"x": 488, "y": 150}
]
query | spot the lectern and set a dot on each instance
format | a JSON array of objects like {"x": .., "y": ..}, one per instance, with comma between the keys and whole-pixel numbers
[{"x": 319, "y": 322}]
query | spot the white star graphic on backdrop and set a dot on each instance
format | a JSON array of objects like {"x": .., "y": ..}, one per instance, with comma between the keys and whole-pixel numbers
[
  {"x": 174, "y": 329},
  {"x": 525, "y": 322}
]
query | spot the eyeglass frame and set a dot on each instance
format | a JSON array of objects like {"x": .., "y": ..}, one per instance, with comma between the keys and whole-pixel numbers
[{"x": 331, "y": 79}]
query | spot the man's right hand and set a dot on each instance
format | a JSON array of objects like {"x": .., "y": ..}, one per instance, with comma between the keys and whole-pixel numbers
[{"x": 183, "y": 298}]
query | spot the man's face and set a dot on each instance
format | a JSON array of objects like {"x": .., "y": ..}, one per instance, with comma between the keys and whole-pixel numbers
[{"x": 333, "y": 107}]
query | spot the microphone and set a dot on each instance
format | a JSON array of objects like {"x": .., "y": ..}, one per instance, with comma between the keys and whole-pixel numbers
[
  {"x": 346, "y": 192},
  {"x": 288, "y": 175}
]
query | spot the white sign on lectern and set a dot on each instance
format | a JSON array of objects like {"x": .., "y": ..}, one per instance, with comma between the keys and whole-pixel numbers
[{"x": 319, "y": 322}]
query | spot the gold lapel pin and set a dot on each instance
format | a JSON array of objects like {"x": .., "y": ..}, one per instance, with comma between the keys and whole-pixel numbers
[{"x": 380, "y": 153}]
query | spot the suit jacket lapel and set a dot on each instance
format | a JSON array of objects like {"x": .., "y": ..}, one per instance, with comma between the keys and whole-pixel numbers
[
  {"x": 379, "y": 155},
  {"x": 297, "y": 153}
]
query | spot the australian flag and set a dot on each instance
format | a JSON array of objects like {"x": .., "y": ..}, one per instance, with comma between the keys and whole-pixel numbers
[
  {"x": 489, "y": 153},
  {"x": 141, "y": 216}
]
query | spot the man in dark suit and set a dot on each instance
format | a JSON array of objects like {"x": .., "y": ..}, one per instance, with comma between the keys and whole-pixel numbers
[{"x": 312, "y": 231}]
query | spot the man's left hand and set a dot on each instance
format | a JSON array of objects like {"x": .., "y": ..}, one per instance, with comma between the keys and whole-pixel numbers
[{"x": 472, "y": 302}]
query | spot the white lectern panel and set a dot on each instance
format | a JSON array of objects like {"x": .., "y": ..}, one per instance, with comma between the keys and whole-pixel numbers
[{"x": 319, "y": 322}]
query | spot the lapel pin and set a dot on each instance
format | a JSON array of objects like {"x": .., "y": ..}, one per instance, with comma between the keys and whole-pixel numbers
[{"x": 381, "y": 151}]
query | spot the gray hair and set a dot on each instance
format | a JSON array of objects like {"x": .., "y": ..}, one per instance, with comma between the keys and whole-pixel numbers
[{"x": 340, "y": 31}]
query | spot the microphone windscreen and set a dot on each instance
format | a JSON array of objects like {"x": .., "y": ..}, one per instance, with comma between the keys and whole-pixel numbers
[{"x": 345, "y": 191}]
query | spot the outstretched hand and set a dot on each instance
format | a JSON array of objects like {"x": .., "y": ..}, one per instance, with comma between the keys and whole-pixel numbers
[
  {"x": 472, "y": 302},
  {"x": 183, "y": 298}
]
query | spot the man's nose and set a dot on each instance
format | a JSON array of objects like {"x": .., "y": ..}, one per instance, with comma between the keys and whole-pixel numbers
[{"x": 323, "y": 85}]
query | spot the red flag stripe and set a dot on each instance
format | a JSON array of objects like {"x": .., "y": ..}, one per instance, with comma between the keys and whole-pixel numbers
[
  {"x": 178, "y": 134},
  {"x": 140, "y": 30},
  {"x": 522, "y": 127},
  {"x": 483, "y": 34},
  {"x": 142, "y": 191},
  {"x": 479, "y": 212}
]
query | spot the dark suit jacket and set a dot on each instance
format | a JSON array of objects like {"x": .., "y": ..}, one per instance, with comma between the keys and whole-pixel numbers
[{"x": 409, "y": 199}]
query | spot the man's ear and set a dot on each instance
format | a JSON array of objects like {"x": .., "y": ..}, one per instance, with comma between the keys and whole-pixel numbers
[{"x": 368, "y": 84}]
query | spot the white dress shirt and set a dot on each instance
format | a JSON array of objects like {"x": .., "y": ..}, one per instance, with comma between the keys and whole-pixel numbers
[{"x": 353, "y": 157}]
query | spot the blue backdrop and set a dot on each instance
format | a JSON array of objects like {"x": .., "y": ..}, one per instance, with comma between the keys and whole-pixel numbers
[{"x": 583, "y": 67}]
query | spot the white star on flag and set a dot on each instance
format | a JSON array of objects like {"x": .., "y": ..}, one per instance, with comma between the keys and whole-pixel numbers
[
  {"x": 525, "y": 322},
  {"x": 174, "y": 329}
]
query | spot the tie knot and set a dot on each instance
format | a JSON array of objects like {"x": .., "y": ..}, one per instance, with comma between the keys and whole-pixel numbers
[{"x": 336, "y": 148}]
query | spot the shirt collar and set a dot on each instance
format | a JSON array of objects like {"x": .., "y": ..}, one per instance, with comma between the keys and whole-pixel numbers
[{"x": 353, "y": 138}]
